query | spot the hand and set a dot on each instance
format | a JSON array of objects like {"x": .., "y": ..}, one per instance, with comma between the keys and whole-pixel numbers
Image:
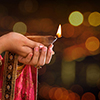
[
  {"x": 38, "y": 59},
  {"x": 17, "y": 43}
]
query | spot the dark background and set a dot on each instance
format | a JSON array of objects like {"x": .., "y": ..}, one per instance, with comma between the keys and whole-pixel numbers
[{"x": 57, "y": 11}]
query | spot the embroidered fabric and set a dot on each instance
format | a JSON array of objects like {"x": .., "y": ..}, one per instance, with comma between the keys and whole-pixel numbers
[{"x": 25, "y": 88}]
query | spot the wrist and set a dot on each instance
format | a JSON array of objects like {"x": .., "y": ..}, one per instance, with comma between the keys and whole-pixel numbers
[{"x": 3, "y": 44}]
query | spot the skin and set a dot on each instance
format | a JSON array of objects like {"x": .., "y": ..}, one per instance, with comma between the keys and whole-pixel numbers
[{"x": 28, "y": 50}]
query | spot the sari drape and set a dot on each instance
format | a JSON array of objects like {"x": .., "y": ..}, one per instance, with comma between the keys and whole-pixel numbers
[{"x": 25, "y": 87}]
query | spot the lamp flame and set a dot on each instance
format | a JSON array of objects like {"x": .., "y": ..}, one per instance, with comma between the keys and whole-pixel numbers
[{"x": 59, "y": 31}]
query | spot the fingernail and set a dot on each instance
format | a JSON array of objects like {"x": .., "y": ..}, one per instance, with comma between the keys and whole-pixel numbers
[
  {"x": 36, "y": 49},
  {"x": 44, "y": 49},
  {"x": 41, "y": 46},
  {"x": 31, "y": 54},
  {"x": 50, "y": 49},
  {"x": 53, "y": 53},
  {"x": 52, "y": 46}
]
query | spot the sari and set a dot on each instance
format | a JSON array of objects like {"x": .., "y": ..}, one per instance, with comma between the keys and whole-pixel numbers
[{"x": 26, "y": 82}]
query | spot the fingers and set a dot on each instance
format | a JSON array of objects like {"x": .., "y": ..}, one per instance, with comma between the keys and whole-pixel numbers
[
  {"x": 24, "y": 51},
  {"x": 35, "y": 58},
  {"x": 26, "y": 60},
  {"x": 42, "y": 58},
  {"x": 38, "y": 58},
  {"x": 49, "y": 54}
]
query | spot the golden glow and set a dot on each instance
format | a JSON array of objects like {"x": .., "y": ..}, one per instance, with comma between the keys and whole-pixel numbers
[
  {"x": 58, "y": 94},
  {"x": 77, "y": 89},
  {"x": 88, "y": 96},
  {"x": 92, "y": 74},
  {"x": 59, "y": 31},
  {"x": 20, "y": 27},
  {"x": 46, "y": 25},
  {"x": 68, "y": 72},
  {"x": 68, "y": 30},
  {"x": 76, "y": 18},
  {"x": 51, "y": 92},
  {"x": 74, "y": 52},
  {"x": 92, "y": 43},
  {"x": 78, "y": 52},
  {"x": 94, "y": 19},
  {"x": 28, "y": 6}
]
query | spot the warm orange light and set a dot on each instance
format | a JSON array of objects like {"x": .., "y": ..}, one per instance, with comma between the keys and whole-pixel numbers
[
  {"x": 92, "y": 43},
  {"x": 88, "y": 96},
  {"x": 59, "y": 31}
]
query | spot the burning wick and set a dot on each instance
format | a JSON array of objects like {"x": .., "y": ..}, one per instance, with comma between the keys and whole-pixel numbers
[
  {"x": 58, "y": 34},
  {"x": 59, "y": 31}
]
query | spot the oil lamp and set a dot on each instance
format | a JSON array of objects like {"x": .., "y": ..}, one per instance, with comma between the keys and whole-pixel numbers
[{"x": 46, "y": 40}]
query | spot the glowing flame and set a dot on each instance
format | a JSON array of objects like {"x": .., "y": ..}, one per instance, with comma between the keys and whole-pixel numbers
[{"x": 59, "y": 31}]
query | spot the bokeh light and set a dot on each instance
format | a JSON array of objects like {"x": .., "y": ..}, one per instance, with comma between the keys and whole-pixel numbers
[
  {"x": 76, "y": 18},
  {"x": 58, "y": 94},
  {"x": 92, "y": 74},
  {"x": 68, "y": 73},
  {"x": 67, "y": 30},
  {"x": 94, "y": 52},
  {"x": 28, "y": 6},
  {"x": 43, "y": 25},
  {"x": 46, "y": 25},
  {"x": 77, "y": 89},
  {"x": 74, "y": 52},
  {"x": 33, "y": 26},
  {"x": 65, "y": 94},
  {"x": 92, "y": 43},
  {"x": 51, "y": 93},
  {"x": 44, "y": 91},
  {"x": 78, "y": 31},
  {"x": 88, "y": 32},
  {"x": 20, "y": 27},
  {"x": 73, "y": 96},
  {"x": 88, "y": 96},
  {"x": 94, "y": 19},
  {"x": 6, "y": 21},
  {"x": 78, "y": 52}
]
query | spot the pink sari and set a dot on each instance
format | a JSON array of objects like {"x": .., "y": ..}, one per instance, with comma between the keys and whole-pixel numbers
[{"x": 25, "y": 88}]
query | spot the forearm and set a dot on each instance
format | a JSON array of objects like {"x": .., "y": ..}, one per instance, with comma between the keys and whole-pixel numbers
[{"x": 3, "y": 44}]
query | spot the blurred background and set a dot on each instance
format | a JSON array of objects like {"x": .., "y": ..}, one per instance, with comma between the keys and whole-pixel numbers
[{"x": 74, "y": 71}]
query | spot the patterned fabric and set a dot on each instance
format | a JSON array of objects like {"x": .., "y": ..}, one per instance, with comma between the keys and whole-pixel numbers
[{"x": 25, "y": 88}]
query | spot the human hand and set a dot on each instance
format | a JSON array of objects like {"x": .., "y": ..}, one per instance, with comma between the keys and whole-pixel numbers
[
  {"x": 17, "y": 43},
  {"x": 39, "y": 58}
]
